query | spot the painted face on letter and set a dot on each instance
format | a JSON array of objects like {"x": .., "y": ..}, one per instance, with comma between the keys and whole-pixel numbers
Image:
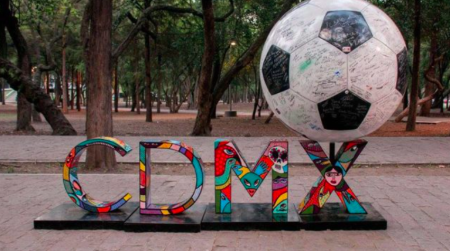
[{"x": 333, "y": 177}]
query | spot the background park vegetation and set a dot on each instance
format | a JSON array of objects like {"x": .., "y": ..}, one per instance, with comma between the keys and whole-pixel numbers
[{"x": 90, "y": 54}]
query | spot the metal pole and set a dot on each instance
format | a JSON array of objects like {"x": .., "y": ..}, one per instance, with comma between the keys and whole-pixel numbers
[
  {"x": 332, "y": 152},
  {"x": 231, "y": 100},
  {"x": 229, "y": 97}
]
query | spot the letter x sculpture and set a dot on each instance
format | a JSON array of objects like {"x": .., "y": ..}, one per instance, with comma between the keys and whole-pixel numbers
[{"x": 332, "y": 177}]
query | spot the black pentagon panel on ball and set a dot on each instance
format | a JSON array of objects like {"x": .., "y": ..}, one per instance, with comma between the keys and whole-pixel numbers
[
  {"x": 402, "y": 78},
  {"x": 276, "y": 70},
  {"x": 342, "y": 112},
  {"x": 346, "y": 30}
]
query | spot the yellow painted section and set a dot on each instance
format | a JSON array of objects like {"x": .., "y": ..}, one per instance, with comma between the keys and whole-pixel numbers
[
  {"x": 127, "y": 197},
  {"x": 142, "y": 197},
  {"x": 66, "y": 173},
  {"x": 301, "y": 205},
  {"x": 141, "y": 166},
  {"x": 280, "y": 199},
  {"x": 164, "y": 211},
  {"x": 224, "y": 185},
  {"x": 244, "y": 171},
  {"x": 189, "y": 203},
  {"x": 165, "y": 145}
]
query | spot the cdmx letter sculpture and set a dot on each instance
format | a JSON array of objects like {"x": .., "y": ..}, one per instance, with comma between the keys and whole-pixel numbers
[
  {"x": 274, "y": 159},
  {"x": 228, "y": 159},
  {"x": 332, "y": 176}
]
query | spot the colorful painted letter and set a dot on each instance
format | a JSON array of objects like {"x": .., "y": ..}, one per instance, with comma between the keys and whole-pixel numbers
[
  {"x": 332, "y": 177},
  {"x": 73, "y": 185},
  {"x": 146, "y": 207},
  {"x": 228, "y": 157}
]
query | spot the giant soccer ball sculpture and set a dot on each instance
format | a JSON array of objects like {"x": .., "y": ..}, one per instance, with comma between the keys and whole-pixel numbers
[{"x": 334, "y": 70}]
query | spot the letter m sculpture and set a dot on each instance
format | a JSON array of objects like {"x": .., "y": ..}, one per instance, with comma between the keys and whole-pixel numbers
[{"x": 228, "y": 158}]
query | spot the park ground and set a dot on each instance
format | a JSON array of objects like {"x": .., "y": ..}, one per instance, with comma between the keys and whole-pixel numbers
[
  {"x": 405, "y": 179},
  {"x": 128, "y": 123},
  {"x": 416, "y": 206}
]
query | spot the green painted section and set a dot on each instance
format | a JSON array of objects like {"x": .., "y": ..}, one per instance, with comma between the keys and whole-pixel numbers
[{"x": 305, "y": 65}]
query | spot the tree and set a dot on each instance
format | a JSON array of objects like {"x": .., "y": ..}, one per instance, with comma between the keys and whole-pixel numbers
[
  {"x": 148, "y": 72},
  {"x": 434, "y": 47},
  {"x": 436, "y": 28},
  {"x": 97, "y": 22},
  {"x": 222, "y": 85},
  {"x": 411, "y": 124},
  {"x": 3, "y": 54},
  {"x": 202, "y": 124},
  {"x": 24, "y": 62},
  {"x": 35, "y": 95},
  {"x": 20, "y": 80}
]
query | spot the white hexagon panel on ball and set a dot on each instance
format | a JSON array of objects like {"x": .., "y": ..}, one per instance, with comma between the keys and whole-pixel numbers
[{"x": 334, "y": 71}]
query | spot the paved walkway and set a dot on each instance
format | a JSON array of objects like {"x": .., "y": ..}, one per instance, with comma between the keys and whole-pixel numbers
[
  {"x": 424, "y": 150},
  {"x": 417, "y": 209}
]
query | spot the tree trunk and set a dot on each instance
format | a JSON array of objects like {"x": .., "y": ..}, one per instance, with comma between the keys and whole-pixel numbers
[
  {"x": 116, "y": 89},
  {"x": 83, "y": 96},
  {"x": 148, "y": 73},
  {"x": 3, "y": 54},
  {"x": 202, "y": 126},
  {"x": 64, "y": 78},
  {"x": 255, "y": 108},
  {"x": 79, "y": 91},
  {"x": 37, "y": 78},
  {"x": 58, "y": 89},
  {"x": 158, "y": 99},
  {"x": 72, "y": 96},
  {"x": 448, "y": 106},
  {"x": 99, "y": 89},
  {"x": 263, "y": 102},
  {"x": 217, "y": 71},
  {"x": 23, "y": 106},
  {"x": 34, "y": 94},
  {"x": 36, "y": 115},
  {"x": 269, "y": 118},
  {"x": 138, "y": 98},
  {"x": 136, "y": 78},
  {"x": 411, "y": 124},
  {"x": 47, "y": 83},
  {"x": 248, "y": 55},
  {"x": 257, "y": 91},
  {"x": 430, "y": 87},
  {"x": 24, "y": 112},
  {"x": 2, "y": 91},
  {"x": 133, "y": 98},
  {"x": 405, "y": 100},
  {"x": 257, "y": 96}
]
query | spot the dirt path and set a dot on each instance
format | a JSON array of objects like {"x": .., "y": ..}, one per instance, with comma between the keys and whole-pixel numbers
[{"x": 127, "y": 123}]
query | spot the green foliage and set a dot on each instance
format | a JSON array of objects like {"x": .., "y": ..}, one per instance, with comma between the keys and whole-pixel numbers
[
  {"x": 179, "y": 44},
  {"x": 435, "y": 17}
]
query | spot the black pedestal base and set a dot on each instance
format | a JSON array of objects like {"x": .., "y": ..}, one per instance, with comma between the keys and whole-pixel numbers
[
  {"x": 250, "y": 216},
  {"x": 230, "y": 114},
  {"x": 334, "y": 217},
  {"x": 245, "y": 216},
  {"x": 188, "y": 221},
  {"x": 70, "y": 216}
]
